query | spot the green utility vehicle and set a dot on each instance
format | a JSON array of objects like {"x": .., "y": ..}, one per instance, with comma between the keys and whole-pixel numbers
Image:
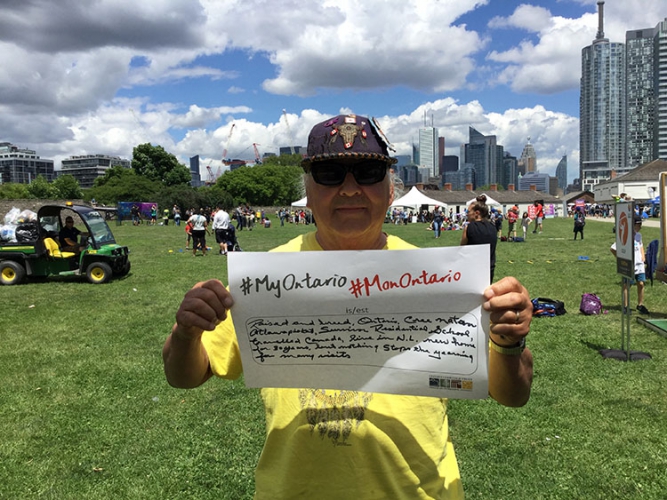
[{"x": 37, "y": 253}]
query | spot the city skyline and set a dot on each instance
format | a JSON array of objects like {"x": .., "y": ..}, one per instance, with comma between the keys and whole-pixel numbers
[{"x": 108, "y": 76}]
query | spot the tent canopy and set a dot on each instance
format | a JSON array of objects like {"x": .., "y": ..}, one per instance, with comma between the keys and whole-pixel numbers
[
  {"x": 415, "y": 198},
  {"x": 300, "y": 203}
]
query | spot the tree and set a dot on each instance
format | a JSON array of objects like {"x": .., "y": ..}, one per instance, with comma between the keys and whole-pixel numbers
[
  {"x": 157, "y": 164},
  {"x": 110, "y": 173},
  {"x": 263, "y": 184},
  {"x": 41, "y": 189},
  {"x": 14, "y": 191},
  {"x": 67, "y": 187},
  {"x": 284, "y": 160},
  {"x": 127, "y": 187}
]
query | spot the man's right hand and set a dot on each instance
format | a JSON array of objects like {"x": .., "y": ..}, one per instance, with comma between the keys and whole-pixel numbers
[{"x": 204, "y": 306}]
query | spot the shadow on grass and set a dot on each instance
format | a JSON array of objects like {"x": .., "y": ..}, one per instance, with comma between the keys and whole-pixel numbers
[{"x": 594, "y": 347}]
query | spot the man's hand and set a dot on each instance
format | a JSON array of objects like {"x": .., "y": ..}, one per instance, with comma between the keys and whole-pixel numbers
[
  {"x": 202, "y": 308},
  {"x": 510, "y": 309}
]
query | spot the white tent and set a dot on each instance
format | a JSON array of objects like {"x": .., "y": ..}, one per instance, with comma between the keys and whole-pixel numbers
[
  {"x": 415, "y": 198},
  {"x": 489, "y": 201},
  {"x": 300, "y": 203}
]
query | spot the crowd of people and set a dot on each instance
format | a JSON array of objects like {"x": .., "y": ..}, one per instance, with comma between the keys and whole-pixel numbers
[{"x": 439, "y": 220}]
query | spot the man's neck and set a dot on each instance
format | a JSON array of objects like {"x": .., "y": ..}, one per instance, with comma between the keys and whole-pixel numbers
[{"x": 337, "y": 243}]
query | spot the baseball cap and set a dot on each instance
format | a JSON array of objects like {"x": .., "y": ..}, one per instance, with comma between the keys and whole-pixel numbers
[{"x": 347, "y": 136}]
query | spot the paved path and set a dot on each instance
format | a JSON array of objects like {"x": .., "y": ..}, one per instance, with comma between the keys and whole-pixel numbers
[{"x": 655, "y": 222}]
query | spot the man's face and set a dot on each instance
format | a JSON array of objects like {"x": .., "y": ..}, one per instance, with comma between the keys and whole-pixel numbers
[{"x": 350, "y": 211}]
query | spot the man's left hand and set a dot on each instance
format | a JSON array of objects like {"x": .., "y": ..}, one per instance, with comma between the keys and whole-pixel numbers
[{"x": 510, "y": 309}]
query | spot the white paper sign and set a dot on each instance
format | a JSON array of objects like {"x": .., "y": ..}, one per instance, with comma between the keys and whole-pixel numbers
[{"x": 399, "y": 322}]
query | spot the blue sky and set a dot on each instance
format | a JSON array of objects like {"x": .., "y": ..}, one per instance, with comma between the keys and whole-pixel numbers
[{"x": 84, "y": 77}]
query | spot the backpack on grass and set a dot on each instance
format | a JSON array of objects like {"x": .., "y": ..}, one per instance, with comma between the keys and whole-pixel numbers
[
  {"x": 590, "y": 304},
  {"x": 544, "y": 307}
]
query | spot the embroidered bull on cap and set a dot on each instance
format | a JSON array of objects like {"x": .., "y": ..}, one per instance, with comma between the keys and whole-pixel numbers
[
  {"x": 348, "y": 131},
  {"x": 346, "y": 136}
]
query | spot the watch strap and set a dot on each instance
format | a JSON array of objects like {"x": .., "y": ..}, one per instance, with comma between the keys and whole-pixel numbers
[{"x": 512, "y": 350}]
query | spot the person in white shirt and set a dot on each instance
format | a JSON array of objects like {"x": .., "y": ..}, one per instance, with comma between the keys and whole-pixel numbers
[
  {"x": 221, "y": 222},
  {"x": 199, "y": 230}
]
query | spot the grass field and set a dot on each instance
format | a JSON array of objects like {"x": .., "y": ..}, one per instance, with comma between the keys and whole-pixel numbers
[{"x": 85, "y": 411}]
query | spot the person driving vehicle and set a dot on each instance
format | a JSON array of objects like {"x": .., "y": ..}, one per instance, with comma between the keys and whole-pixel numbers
[{"x": 69, "y": 237}]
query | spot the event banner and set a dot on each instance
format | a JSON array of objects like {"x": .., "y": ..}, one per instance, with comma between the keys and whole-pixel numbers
[{"x": 400, "y": 322}]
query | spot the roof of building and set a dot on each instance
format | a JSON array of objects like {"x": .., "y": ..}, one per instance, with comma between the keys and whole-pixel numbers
[
  {"x": 647, "y": 172},
  {"x": 586, "y": 195}
]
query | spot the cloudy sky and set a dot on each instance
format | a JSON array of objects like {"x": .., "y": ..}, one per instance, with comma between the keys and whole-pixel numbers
[{"x": 87, "y": 77}]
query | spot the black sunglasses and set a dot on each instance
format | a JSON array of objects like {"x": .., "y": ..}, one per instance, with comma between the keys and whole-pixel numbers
[{"x": 332, "y": 173}]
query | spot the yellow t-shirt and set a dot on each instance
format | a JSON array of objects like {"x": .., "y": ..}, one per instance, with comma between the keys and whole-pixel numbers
[{"x": 325, "y": 444}]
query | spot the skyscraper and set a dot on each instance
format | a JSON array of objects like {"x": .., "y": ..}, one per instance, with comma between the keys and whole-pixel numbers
[
  {"x": 528, "y": 161},
  {"x": 441, "y": 155},
  {"x": 602, "y": 145},
  {"x": 660, "y": 79},
  {"x": 482, "y": 152},
  {"x": 640, "y": 100},
  {"x": 561, "y": 173},
  {"x": 428, "y": 150}
]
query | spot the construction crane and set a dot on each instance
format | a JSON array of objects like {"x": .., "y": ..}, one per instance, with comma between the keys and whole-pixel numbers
[
  {"x": 224, "y": 151},
  {"x": 211, "y": 178},
  {"x": 289, "y": 132},
  {"x": 258, "y": 159}
]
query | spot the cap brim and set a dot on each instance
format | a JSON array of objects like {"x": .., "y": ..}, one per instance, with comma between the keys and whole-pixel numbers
[{"x": 307, "y": 161}]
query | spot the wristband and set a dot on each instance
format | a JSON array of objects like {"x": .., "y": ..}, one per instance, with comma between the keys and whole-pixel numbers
[{"x": 512, "y": 350}]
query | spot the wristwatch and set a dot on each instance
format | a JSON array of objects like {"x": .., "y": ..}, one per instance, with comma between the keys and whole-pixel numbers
[{"x": 511, "y": 350}]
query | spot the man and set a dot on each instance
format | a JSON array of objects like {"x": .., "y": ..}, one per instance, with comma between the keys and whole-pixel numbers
[
  {"x": 512, "y": 217},
  {"x": 221, "y": 225},
  {"x": 69, "y": 237},
  {"x": 349, "y": 444},
  {"x": 539, "y": 215},
  {"x": 640, "y": 270},
  {"x": 134, "y": 211},
  {"x": 438, "y": 219},
  {"x": 199, "y": 230}
]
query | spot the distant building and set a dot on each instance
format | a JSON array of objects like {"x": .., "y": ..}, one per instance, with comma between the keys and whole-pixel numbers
[
  {"x": 461, "y": 178},
  {"x": 540, "y": 181},
  {"x": 409, "y": 174},
  {"x": 561, "y": 173},
  {"x": 441, "y": 155},
  {"x": 195, "y": 175},
  {"x": 428, "y": 150},
  {"x": 21, "y": 166},
  {"x": 484, "y": 155},
  {"x": 403, "y": 160},
  {"x": 646, "y": 91},
  {"x": 415, "y": 153},
  {"x": 450, "y": 163},
  {"x": 509, "y": 170},
  {"x": 287, "y": 150},
  {"x": 86, "y": 168},
  {"x": 602, "y": 113},
  {"x": 528, "y": 161}
]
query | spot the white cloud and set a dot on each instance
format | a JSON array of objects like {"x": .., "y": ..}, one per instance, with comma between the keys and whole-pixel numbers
[
  {"x": 552, "y": 63},
  {"x": 68, "y": 65}
]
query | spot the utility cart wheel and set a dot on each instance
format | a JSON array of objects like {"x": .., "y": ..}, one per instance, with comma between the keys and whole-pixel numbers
[
  {"x": 99, "y": 272},
  {"x": 11, "y": 273}
]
